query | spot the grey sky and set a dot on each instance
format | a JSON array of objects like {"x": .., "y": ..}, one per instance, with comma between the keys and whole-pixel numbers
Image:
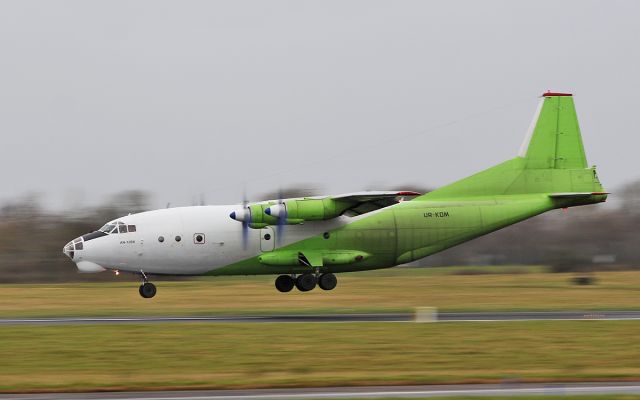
[{"x": 186, "y": 98}]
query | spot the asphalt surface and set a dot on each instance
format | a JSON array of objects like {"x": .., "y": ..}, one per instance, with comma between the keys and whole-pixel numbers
[
  {"x": 365, "y": 392},
  {"x": 336, "y": 318}
]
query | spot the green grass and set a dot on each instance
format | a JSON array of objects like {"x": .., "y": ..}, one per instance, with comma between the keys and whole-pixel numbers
[
  {"x": 397, "y": 289},
  {"x": 543, "y": 397},
  {"x": 197, "y": 355}
]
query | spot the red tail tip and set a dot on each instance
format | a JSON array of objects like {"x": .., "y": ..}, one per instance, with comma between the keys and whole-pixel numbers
[{"x": 555, "y": 94}]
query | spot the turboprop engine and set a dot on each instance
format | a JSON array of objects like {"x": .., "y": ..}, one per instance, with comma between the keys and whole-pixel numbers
[{"x": 289, "y": 212}]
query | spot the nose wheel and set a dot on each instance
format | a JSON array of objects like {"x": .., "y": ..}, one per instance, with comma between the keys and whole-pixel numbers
[{"x": 147, "y": 289}]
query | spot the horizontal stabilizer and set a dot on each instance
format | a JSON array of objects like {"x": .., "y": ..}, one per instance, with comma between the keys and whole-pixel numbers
[{"x": 576, "y": 195}]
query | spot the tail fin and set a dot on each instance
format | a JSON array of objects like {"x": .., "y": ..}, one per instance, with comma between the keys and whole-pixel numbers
[
  {"x": 553, "y": 140},
  {"x": 551, "y": 159}
]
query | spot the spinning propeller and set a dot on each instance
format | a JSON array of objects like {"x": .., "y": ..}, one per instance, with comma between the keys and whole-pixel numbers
[
  {"x": 244, "y": 216},
  {"x": 278, "y": 211}
]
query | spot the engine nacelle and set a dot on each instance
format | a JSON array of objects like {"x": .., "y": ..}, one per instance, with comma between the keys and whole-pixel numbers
[
  {"x": 308, "y": 209},
  {"x": 289, "y": 212}
]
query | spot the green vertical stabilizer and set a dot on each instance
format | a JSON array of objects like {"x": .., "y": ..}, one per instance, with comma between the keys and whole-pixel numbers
[
  {"x": 551, "y": 160},
  {"x": 554, "y": 140}
]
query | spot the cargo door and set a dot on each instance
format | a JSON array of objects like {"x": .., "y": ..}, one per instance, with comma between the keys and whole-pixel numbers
[{"x": 267, "y": 239}]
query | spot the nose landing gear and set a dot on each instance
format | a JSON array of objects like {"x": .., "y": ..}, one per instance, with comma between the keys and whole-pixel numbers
[{"x": 147, "y": 289}]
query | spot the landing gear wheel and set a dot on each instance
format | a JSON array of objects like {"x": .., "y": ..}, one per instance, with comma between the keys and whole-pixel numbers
[
  {"x": 327, "y": 281},
  {"x": 284, "y": 283},
  {"x": 147, "y": 290},
  {"x": 306, "y": 282}
]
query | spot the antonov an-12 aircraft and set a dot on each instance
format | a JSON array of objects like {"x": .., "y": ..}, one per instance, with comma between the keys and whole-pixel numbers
[{"x": 306, "y": 241}]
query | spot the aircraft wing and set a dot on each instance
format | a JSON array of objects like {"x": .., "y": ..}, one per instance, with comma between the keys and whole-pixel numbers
[
  {"x": 364, "y": 202},
  {"x": 295, "y": 211}
]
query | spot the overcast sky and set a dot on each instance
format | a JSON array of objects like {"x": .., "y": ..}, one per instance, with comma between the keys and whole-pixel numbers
[{"x": 191, "y": 98}]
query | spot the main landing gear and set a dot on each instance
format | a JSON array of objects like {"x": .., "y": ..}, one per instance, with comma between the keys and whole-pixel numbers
[
  {"x": 147, "y": 289},
  {"x": 306, "y": 282}
]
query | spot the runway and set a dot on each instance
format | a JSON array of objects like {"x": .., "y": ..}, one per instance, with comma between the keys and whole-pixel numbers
[
  {"x": 419, "y": 316},
  {"x": 368, "y": 392}
]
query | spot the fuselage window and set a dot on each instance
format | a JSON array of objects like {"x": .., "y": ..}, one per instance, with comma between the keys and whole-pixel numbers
[
  {"x": 198, "y": 238},
  {"x": 160, "y": 239},
  {"x": 132, "y": 228},
  {"x": 178, "y": 238}
]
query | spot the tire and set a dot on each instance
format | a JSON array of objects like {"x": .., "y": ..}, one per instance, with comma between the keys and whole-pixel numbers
[
  {"x": 327, "y": 281},
  {"x": 148, "y": 290},
  {"x": 284, "y": 283},
  {"x": 306, "y": 282}
]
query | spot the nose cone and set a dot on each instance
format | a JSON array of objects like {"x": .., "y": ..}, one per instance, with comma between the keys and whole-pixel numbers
[
  {"x": 76, "y": 250},
  {"x": 68, "y": 250},
  {"x": 71, "y": 248}
]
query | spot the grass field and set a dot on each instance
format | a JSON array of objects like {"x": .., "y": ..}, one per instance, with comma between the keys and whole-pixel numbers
[
  {"x": 90, "y": 357},
  {"x": 398, "y": 289},
  {"x": 544, "y": 397}
]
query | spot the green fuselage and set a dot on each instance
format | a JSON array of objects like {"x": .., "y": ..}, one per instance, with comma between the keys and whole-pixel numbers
[
  {"x": 412, "y": 230},
  {"x": 550, "y": 172}
]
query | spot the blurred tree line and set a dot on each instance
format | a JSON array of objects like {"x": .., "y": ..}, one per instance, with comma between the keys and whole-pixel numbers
[
  {"x": 31, "y": 239},
  {"x": 583, "y": 238}
]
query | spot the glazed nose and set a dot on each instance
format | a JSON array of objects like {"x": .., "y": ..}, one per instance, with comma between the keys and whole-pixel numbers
[{"x": 72, "y": 247}]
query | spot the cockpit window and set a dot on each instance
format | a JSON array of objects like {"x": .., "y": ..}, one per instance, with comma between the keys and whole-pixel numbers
[
  {"x": 107, "y": 228},
  {"x": 117, "y": 227}
]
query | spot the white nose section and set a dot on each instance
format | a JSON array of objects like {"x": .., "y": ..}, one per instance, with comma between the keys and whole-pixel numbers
[{"x": 89, "y": 267}]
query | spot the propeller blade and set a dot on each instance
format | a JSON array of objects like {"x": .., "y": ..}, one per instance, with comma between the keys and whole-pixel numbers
[
  {"x": 246, "y": 220},
  {"x": 245, "y": 235},
  {"x": 281, "y": 209}
]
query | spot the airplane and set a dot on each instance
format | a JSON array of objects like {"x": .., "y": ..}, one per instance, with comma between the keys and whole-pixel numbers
[{"x": 306, "y": 241}]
